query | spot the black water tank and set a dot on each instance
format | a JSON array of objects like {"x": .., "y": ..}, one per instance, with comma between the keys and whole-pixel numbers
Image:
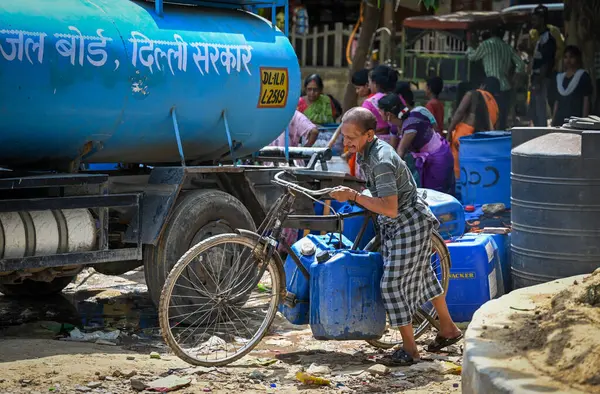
[{"x": 555, "y": 207}]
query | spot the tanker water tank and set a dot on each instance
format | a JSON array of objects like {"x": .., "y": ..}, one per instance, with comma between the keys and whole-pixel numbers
[
  {"x": 555, "y": 207},
  {"x": 102, "y": 78},
  {"x": 485, "y": 168}
]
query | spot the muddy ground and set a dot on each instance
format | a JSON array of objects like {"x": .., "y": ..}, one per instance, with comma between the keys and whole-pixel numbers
[{"x": 33, "y": 360}]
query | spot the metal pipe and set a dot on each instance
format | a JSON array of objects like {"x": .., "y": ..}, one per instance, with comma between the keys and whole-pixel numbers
[
  {"x": 293, "y": 152},
  {"x": 177, "y": 136}
]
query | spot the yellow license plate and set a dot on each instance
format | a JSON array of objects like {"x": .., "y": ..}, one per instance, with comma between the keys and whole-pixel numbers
[{"x": 274, "y": 87}]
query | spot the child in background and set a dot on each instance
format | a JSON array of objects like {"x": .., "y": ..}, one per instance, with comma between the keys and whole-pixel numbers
[{"x": 434, "y": 105}]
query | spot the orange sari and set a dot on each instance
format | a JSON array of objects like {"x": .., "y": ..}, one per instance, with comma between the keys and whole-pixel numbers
[{"x": 464, "y": 129}]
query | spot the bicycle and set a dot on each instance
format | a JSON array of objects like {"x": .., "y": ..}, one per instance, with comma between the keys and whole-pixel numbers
[{"x": 261, "y": 258}]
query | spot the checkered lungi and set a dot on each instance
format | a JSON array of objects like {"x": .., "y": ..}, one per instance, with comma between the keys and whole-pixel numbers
[{"x": 408, "y": 279}]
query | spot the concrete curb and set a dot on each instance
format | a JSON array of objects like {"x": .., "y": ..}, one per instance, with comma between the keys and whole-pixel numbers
[{"x": 491, "y": 367}]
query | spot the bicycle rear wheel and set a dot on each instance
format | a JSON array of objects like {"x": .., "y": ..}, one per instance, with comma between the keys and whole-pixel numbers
[
  {"x": 440, "y": 261},
  {"x": 224, "y": 315}
]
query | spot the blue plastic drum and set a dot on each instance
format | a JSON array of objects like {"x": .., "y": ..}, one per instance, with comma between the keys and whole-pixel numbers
[{"x": 485, "y": 168}]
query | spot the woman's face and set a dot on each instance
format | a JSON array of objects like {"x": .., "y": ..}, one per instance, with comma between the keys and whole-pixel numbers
[
  {"x": 362, "y": 90},
  {"x": 312, "y": 91},
  {"x": 390, "y": 118},
  {"x": 570, "y": 61}
]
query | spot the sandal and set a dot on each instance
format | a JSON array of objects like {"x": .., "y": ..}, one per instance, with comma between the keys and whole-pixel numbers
[
  {"x": 401, "y": 358},
  {"x": 440, "y": 342}
]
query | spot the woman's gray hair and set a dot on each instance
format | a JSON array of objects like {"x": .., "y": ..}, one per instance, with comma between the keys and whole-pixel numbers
[{"x": 361, "y": 117}]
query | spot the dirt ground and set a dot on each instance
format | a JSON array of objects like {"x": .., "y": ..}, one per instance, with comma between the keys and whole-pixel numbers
[
  {"x": 560, "y": 337},
  {"x": 32, "y": 360}
]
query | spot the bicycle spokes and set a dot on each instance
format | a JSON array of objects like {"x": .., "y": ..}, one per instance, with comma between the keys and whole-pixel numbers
[{"x": 219, "y": 302}]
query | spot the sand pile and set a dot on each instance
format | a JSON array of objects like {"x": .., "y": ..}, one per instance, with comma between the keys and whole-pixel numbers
[{"x": 562, "y": 337}]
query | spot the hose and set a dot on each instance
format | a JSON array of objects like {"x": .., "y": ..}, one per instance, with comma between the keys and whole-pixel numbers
[{"x": 353, "y": 34}]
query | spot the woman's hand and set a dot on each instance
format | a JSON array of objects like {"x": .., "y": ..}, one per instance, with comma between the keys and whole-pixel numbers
[{"x": 343, "y": 194}]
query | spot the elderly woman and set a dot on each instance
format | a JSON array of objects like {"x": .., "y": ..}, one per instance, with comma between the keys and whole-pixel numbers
[
  {"x": 406, "y": 225},
  {"x": 318, "y": 107},
  {"x": 432, "y": 155}
]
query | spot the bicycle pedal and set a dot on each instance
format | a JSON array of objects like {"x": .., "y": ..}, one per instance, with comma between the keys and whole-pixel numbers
[{"x": 290, "y": 299}]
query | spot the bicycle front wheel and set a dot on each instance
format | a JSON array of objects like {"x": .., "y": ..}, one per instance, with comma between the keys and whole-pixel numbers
[
  {"x": 219, "y": 300},
  {"x": 440, "y": 262}
]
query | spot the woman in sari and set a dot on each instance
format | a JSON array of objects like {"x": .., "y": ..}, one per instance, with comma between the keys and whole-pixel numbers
[
  {"x": 320, "y": 109},
  {"x": 382, "y": 80},
  {"x": 431, "y": 153},
  {"x": 317, "y": 107},
  {"x": 477, "y": 111}
]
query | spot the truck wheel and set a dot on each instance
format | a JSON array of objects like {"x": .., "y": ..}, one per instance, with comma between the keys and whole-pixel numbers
[
  {"x": 32, "y": 288},
  {"x": 198, "y": 215}
]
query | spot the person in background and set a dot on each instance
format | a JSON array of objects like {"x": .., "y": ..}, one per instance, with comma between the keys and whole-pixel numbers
[
  {"x": 382, "y": 80},
  {"x": 405, "y": 225},
  {"x": 542, "y": 68},
  {"x": 477, "y": 111},
  {"x": 534, "y": 36},
  {"x": 299, "y": 17},
  {"x": 461, "y": 90},
  {"x": 360, "y": 80},
  {"x": 303, "y": 132},
  {"x": 317, "y": 107},
  {"x": 279, "y": 19},
  {"x": 403, "y": 89},
  {"x": 498, "y": 58},
  {"x": 434, "y": 105},
  {"x": 574, "y": 88},
  {"x": 431, "y": 152}
]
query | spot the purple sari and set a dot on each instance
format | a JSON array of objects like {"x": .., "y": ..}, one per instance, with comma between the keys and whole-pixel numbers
[{"x": 432, "y": 154}]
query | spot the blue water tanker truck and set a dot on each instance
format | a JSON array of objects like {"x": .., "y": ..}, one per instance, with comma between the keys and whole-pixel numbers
[{"x": 176, "y": 94}]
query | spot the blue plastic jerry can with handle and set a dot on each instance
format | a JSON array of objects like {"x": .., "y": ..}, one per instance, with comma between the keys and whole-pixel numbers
[{"x": 345, "y": 296}]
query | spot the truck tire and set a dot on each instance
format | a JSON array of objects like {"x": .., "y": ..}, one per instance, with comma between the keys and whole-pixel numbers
[
  {"x": 32, "y": 288},
  {"x": 197, "y": 215}
]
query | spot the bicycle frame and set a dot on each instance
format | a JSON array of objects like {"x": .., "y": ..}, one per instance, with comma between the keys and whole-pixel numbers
[{"x": 270, "y": 231}]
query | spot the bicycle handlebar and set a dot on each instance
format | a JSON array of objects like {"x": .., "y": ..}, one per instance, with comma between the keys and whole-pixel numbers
[{"x": 290, "y": 185}]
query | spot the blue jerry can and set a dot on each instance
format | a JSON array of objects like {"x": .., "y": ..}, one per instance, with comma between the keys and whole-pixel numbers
[
  {"x": 448, "y": 211},
  {"x": 345, "y": 296},
  {"x": 306, "y": 249},
  {"x": 474, "y": 276}
]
